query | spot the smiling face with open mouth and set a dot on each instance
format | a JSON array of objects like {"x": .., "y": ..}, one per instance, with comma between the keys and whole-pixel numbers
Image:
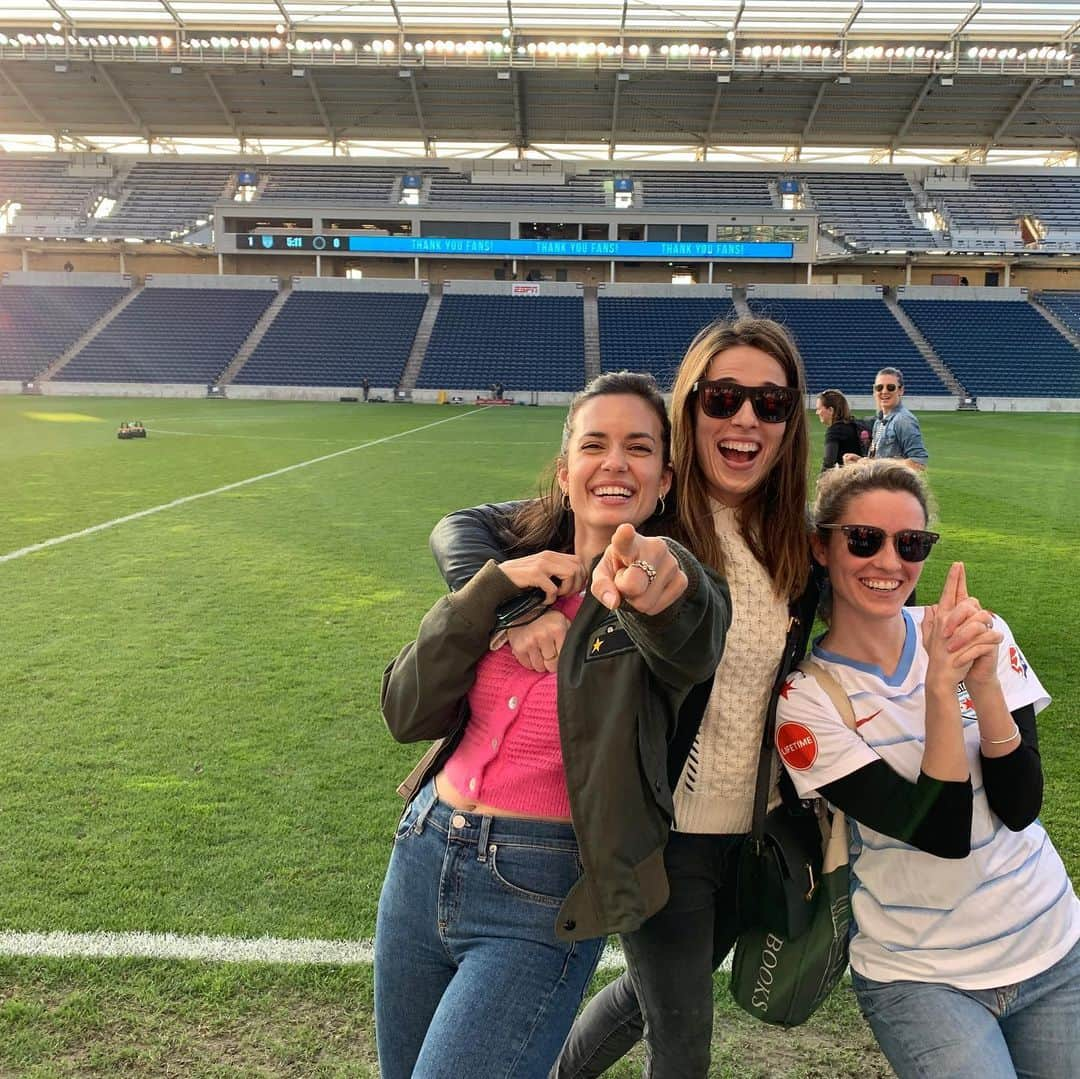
[
  {"x": 613, "y": 471},
  {"x": 736, "y": 454}
]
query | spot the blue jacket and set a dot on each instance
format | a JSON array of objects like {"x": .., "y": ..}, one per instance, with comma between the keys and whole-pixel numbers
[{"x": 899, "y": 435}]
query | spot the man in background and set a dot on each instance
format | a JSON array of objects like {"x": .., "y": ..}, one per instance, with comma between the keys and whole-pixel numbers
[{"x": 896, "y": 430}]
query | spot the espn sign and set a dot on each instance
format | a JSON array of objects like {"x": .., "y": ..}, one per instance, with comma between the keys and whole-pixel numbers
[{"x": 528, "y": 289}]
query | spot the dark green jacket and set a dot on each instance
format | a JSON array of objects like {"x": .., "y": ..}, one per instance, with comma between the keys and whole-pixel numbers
[{"x": 621, "y": 678}]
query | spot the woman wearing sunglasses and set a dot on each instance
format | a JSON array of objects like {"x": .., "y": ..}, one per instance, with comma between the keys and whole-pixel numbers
[
  {"x": 965, "y": 958},
  {"x": 739, "y": 450}
]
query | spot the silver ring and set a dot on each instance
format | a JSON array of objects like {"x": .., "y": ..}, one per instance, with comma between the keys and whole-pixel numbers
[
  {"x": 990, "y": 625},
  {"x": 647, "y": 568}
]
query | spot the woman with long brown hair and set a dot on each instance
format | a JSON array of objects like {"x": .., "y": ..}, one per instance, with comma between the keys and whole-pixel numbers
[{"x": 739, "y": 453}]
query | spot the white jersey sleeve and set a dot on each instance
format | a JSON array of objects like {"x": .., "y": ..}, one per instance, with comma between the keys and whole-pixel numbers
[
  {"x": 814, "y": 743},
  {"x": 1019, "y": 682}
]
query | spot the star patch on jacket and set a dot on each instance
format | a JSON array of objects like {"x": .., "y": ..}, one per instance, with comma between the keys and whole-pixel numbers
[{"x": 609, "y": 639}]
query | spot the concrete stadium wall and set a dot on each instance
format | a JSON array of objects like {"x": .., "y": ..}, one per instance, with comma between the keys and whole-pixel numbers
[{"x": 122, "y": 389}]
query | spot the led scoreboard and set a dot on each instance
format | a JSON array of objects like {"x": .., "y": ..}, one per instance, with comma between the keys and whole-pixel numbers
[{"x": 420, "y": 246}]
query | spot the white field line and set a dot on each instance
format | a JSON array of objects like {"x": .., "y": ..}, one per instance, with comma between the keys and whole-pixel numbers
[
  {"x": 247, "y": 438},
  {"x": 209, "y": 949},
  {"x": 56, "y": 540}
]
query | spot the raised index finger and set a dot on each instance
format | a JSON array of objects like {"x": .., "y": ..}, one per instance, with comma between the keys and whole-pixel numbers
[
  {"x": 949, "y": 597},
  {"x": 624, "y": 543}
]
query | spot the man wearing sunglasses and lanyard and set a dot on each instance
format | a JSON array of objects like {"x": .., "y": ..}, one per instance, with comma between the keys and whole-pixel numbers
[{"x": 896, "y": 430}]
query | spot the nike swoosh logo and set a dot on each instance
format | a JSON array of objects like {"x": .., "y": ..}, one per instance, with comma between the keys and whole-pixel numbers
[{"x": 860, "y": 722}]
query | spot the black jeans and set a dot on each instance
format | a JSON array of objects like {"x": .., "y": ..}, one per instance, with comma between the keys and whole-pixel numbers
[{"x": 666, "y": 993}]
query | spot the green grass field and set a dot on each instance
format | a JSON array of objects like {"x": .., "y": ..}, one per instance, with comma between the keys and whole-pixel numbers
[{"x": 189, "y": 702}]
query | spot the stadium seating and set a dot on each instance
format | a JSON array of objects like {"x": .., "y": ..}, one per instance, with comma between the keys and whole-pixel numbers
[
  {"x": 160, "y": 200},
  {"x": 693, "y": 190},
  {"x": 844, "y": 343},
  {"x": 650, "y": 333},
  {"x": 522, "y": 342},
  {"x": 39, "y": 323},
  {"x": 454, "y": 188},
  {"x": 1066, "y": 305},
  {"x": 999, "y": 348},
  {"x": 43, "y": 188},
  {"x": 336, "y": 339},
  {"x": 868, "y": 211},
  {"x": 997, "y": 202},
  {"x": 170, "y": 335},
  {"x": 330, "y": 183}
]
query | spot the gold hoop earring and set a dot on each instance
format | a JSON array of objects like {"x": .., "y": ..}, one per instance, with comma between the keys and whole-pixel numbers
[{"x": 661, "y": 508}]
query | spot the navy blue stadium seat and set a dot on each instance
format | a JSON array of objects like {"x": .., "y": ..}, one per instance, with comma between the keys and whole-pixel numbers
[
  {"x": 1066, "y": 305},
  {"x": 38, "y": 323},
  {"x": 171, "y": 335},
  {"x": 844, "y": 343},
  {"x": 999, "y": 347},
  {"x": 523, "y": 342},
  {"x": 336, "y": 339},
  {"x": 650, "y": 333}
]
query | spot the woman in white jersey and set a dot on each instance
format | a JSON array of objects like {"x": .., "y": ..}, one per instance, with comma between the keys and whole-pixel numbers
[{"x": 964, "y": 956}]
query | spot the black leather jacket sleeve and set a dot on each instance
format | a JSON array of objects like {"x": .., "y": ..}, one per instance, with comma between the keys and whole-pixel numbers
[{"x": 463, "y": 541}]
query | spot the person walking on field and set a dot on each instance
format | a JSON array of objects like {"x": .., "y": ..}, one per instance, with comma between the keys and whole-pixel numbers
[{"x": 896, "y": 431}]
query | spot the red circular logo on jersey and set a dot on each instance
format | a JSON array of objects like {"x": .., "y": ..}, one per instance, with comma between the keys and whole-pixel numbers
[{"x": 797, "y": 745}]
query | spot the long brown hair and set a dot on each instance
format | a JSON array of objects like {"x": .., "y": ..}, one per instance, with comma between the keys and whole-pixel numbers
[
  {"x": 772, "y": 518},
  {"x": 546, "y": 523},
  {"x": 835, "y": 400}
]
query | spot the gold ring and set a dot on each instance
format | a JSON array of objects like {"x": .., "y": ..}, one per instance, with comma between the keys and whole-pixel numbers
[{"x": 647, "y": 568}]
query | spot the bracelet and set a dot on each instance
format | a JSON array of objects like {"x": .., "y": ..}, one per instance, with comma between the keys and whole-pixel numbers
[{"x": 1002, "y": 741}]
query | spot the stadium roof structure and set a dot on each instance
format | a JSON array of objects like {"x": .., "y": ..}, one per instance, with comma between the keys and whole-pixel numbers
[{"x": 962, "y": 75}]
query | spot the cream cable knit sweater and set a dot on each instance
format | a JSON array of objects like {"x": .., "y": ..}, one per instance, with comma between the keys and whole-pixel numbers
[{"x": 715, "y": 794}]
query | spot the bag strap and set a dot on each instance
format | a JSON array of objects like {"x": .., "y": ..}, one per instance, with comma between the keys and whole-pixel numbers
[{"x": 832, "y": 689}]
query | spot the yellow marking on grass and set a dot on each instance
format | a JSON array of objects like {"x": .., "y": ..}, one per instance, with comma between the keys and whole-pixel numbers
[{"x": 63, "y": 417}]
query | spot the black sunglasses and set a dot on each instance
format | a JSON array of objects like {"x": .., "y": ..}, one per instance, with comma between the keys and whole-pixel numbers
[
  {"x": 864, "y": 541},
  {"x": 721, "y": 400},
  {"x": 890, "y": 386}
]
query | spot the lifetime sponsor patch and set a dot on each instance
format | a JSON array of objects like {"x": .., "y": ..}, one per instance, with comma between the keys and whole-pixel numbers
[
  {"x": 609, "y": 639},
  {"x": 797, "y": 745}
]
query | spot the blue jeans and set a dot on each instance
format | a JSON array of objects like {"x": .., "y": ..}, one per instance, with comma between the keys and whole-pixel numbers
[
  {"x": 1031, "y": 1029},
  {"x": 470, "y": 980}
]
